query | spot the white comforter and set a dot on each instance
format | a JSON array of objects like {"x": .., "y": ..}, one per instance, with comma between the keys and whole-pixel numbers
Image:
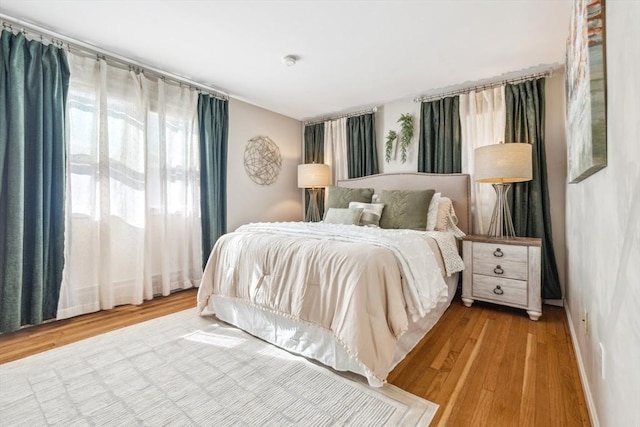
[{"x": 361, "y": 284}]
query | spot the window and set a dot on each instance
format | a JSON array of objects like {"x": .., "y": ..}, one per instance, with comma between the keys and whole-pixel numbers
[{"x": 133, "y": 202}]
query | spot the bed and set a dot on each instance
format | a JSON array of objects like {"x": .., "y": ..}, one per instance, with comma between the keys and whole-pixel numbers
[{"x": 353, "y": 298}]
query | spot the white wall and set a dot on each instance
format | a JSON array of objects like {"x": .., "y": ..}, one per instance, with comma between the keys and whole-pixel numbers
[
  {"x": 247, "y": 201},
  {"x": 555, "y": 144},
  {"x": 603, "y": 236}
]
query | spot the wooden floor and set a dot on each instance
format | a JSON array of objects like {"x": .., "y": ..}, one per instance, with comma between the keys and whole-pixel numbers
[
  {"x": 485, "y": 365},
  {"x": 36, "y": 339},
  {"x": 491, "y": 366}
]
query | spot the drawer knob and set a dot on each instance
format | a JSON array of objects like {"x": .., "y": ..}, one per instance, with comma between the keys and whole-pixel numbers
[
  {"x": 498, "y": 270},
  {"x": 498, "y": 290},
  {"x": 498, "y": 253}
]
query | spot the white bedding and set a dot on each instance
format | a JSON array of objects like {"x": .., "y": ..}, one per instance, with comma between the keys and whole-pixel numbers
[{"x": 382, "y": 282}]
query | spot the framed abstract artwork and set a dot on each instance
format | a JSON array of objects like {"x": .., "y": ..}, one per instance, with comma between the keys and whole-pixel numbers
[{"x": 586, "y": 85}]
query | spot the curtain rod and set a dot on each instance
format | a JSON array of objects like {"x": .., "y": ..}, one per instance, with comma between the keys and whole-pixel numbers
[
  {"x": 14, "y": 24},
  {"x": 547, "y": 73},
  {"x": 341, "y": 116}
]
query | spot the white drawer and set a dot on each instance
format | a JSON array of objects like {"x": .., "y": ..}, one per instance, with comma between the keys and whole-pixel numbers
[
  {"x": 507, "y": 291},
  {"x": 501, "y": 268},
  {"x": 499, "y": 252}
]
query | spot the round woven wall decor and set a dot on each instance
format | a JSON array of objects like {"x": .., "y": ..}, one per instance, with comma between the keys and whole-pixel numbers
[{"x": 262, "y": 160}]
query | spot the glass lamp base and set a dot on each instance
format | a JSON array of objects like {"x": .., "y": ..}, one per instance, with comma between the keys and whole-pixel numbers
[
  {"x": 313, "y": 212},
  {"x": 501, "y": 223}
]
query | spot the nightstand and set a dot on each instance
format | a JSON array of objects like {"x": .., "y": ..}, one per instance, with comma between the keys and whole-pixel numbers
[{"x": 502, "y": 271}]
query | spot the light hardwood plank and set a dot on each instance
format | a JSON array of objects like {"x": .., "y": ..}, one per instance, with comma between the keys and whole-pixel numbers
[
  {"x": 468, "y": 401},
  {"x": 482, "y": 414},
  {"x": 474, "y": 347},
  {"x": 527, "y": 401}
]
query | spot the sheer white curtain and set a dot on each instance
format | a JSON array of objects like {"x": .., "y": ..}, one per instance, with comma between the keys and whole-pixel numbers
[
  {"x": 133, "y": 227},
  {"x": 335, "y": 148},
  {"x": 482, "y": 122}
]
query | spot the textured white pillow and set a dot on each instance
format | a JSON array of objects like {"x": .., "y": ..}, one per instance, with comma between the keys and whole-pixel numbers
[
  {"x": 445, "y": 214},
  {"x": 371, "y": 213},
  {"x": 447, "y": 219},
  {"x": 432, "y": 213}
]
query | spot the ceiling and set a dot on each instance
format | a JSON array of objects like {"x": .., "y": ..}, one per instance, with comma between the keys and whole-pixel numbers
[{"x": 351, "y": 54}]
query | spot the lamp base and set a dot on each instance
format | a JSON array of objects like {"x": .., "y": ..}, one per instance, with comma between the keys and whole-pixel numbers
[
  {"x": 501, "y": 223},
  {"x": 313, "y": 212}
]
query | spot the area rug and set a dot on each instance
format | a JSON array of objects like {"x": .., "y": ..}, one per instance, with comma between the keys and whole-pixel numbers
[{"x": 187, "y": 370}]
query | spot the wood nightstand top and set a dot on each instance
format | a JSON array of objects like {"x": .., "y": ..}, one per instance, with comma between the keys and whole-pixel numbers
[{"x": 519, "y": 241}]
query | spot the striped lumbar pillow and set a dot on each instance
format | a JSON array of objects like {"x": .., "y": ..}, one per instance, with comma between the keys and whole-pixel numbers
[{"x": 371, "y": 213}]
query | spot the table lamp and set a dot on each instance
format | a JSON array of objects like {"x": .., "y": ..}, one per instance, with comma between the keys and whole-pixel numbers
[
  {"x": 313, "y": 176},
  {"x": 501, "y": 165}
]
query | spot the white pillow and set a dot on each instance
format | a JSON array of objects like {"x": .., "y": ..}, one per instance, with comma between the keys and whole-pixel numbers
[
  {"x": 371, "y": 213},
  {"x": 432, "y": 213}
]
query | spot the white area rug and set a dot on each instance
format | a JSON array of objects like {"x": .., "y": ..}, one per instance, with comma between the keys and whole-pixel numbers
[{"x": 186, "y": 370}]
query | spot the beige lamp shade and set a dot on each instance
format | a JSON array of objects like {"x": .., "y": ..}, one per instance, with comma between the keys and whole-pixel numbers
[
  {"x": 503, "y": 163},
  {"x": 313, "y": 175}
]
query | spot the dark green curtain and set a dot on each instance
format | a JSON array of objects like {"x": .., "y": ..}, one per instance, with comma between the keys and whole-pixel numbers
[
  {"x": 34, "y": 82},
  {"x": 362, "y": 150},
  {"x": 213, "y": 121},
  {"x": 439, "y": 148},
  {"x": 314, "y": 153},
  {"x": 530, "y": 200}
]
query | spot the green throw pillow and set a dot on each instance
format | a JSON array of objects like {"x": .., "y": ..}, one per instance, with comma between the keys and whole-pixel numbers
[
  {"x": 340, "y": 197},
  {"x": 405, "y": 209}
]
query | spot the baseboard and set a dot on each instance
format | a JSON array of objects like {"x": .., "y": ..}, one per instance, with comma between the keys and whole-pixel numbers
[{"x": 591, "y": 407}]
